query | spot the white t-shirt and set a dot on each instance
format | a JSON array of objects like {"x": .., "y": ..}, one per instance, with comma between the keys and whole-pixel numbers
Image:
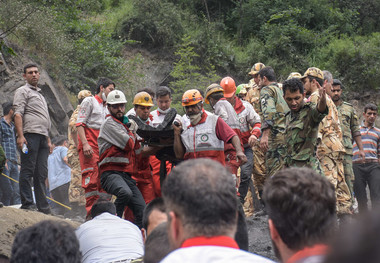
[
  {"x": 207, "y": 254},
  {"x": 108, "y": 238}
]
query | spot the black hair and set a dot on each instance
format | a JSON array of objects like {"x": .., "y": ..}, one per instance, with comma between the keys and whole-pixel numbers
[
  {"x": 104, "y": 82},
  {"x": 293, "y": 85},
  {"x": 370, "y": 106},
  {"x": 58, "y": 141},
  {"x": 157, "y": 245},
  {"x": 46, "y": 241},
  {"x": 163, "y": 91},
  {"x": 267, "y": 72},
  {"x": 7, "y": 106},
  {"x": 319, "y": 80},
  {"x": 101, "y": 206},
  {"x": 155, "y": 204},
  {"x": 30, "y": 65}
]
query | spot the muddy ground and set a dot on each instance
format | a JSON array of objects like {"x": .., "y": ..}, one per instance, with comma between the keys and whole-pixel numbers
[{"x": 13, "y": 220}]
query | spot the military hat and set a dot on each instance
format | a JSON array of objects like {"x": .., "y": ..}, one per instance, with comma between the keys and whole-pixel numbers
[
  {"x": 294, "y": 75},
  {"x": 313, "y": 72},
  {"x": 337, "y": 82},
  {"x": 256, "y": 68}
]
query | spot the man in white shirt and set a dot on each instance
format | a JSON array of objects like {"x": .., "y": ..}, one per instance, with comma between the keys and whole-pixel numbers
[
  {"x": 202, "y": 206},
  {"x": 108, "y": 238}
]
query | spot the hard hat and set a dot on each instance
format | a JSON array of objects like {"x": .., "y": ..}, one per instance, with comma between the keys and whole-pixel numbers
[
  {"x": 116, "y": 97},
  {"x": 191, "y": 97},
  {"x": 241, "y": 89},
  {"x": 294, "y": 75},
  {"x": 229, "y": 87},
  {"x": 83, "y": 94},
  {"x": 313, "y": 72},
  {"x": 256, "y": 68},
  {"x": 143, "y": 99},
  {"x": 212, "y": 89}
]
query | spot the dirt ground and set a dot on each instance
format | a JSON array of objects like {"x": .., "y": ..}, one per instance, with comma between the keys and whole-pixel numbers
[{"x": 13, "y": 220}]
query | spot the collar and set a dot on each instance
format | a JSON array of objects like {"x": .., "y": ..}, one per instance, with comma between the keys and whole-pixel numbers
[
  {"x": 239, "y": 107},
  {"x": 100, "y": 100},
  {"x": 5, "y": 121},
  {"x": 32, "y": 87},
  {"x": 109, "y": 115},
  {"x": 316, "y": 250},
  {"x": 203, "y": 119},
  {"x": 220, "y": 241},
  {"x": 158, "y": 113},
  {"x": 363, "y": 126}
]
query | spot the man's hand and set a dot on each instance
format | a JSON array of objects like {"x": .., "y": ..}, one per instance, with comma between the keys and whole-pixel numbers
[
  {"x": 20, "y": 141},
  {"x": 264, "y": 141},
  {"x": 252, "y": 139},
  {"x": 50, "y": 145},
  {"x": 6, "y": 164},
  {"x": 362, "y": 155},
  {"x": 177, "y": 127},
  {"x": 87, "y": 150},
  {"x": 240, "y": 156}
]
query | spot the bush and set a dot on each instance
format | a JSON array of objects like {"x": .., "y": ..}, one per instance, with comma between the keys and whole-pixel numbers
[{"x": 355, "y": 60}]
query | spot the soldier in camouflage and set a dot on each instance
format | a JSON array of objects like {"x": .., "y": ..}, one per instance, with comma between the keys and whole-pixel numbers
[
  {"x": 349, "y": 124},
  {"x": 273, "y": 110},
  {"x": 76, "y": 192},
  {"x": 330, "y": 150},
  {"x": 302, "y": 124}
]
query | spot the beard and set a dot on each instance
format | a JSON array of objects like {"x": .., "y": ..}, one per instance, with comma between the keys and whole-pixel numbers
[{"x": 118, "y": 115}]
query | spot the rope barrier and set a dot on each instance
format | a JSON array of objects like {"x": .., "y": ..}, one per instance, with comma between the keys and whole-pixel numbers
[{"x": 51, "y": 199}]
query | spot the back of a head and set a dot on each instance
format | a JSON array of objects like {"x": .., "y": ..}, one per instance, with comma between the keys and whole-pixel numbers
[
  {"x": 102, "y": 206},
  {"x": 358, "y": 241},
  {"x": 7, "y": 106},
  {"x": 327, "y": 76},
  {"x": 157, "y": 245},
  {"x": 157, "y": 203},
  {"x": 301, "y": 205},
  {"x": 47, "y": 241},
  {"x": 202, "y": 193},
  {"x": 267, "y": 72}
]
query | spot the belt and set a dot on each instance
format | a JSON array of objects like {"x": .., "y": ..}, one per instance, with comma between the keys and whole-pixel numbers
[{"x": 367, "y": 161}]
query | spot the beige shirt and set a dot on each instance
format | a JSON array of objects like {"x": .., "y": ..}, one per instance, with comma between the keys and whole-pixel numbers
[{"x": 32, "y": 106}]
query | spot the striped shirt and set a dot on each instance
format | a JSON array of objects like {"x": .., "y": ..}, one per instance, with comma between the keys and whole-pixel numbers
[
  {"x": 371, "y": 143},
  {"x": 8, "y": 140}
]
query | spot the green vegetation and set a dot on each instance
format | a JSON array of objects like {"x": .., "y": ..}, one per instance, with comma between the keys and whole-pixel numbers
[{"x": 80, "y": 40}]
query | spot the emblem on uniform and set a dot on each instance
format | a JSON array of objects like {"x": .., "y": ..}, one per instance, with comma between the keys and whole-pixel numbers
[
  {"x": 204, "y": 137},
  {"x": 87, "y": 180},
  {"x": 262, "y": 101},
  {"x": 241, "y": 119}
]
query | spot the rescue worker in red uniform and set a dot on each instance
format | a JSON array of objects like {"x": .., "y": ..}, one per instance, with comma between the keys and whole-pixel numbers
[
  {"x": 250, "y": 128},
  {"x": 214, "y": 96},
  {"x": 206, "y": 134},
  {"x": 164, "y": 100},
  {"x": 91, "y": 115},
  {"x": 117, "y": 145},
  {"x": 143, "y": 173}
]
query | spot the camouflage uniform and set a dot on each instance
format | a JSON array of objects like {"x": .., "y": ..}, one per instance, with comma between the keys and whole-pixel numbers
[
  {"x": 350, "y": 127},
  {"x": 331, "y": 152},
  {"x": 76, "y": 192},
  {"x": 301, "y": 137},
  {"x": 274, "y": 108}
]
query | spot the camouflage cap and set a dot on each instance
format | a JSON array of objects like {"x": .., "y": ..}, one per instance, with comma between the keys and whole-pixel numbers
[
  {"x": 256, "y": 68},
  {"x": 83, "y": 94},
  {"x": 313, "y": 72},
  {"x": 294, "y": 75}
]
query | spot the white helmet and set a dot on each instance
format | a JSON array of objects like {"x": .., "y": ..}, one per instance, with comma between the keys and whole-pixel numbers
[{"x": 116, "y": 97}]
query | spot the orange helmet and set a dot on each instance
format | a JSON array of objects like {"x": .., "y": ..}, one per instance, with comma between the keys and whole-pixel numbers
[
  {"x": 191, "y": 97},
  {"x": 229, "y": 87}
]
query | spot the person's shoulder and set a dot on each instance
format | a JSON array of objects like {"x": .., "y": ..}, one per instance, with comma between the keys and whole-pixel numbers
[{"x": 205, "y": 254}]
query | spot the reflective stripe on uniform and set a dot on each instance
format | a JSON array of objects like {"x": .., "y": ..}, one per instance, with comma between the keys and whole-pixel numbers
[
  {"x": 100, "y": 194},
  {"x": 87, "y": 169},
  {"x": 114, "y": 160}
]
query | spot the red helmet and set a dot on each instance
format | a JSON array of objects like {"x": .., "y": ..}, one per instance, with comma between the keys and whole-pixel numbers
[{"x": 229, "y": 87}]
